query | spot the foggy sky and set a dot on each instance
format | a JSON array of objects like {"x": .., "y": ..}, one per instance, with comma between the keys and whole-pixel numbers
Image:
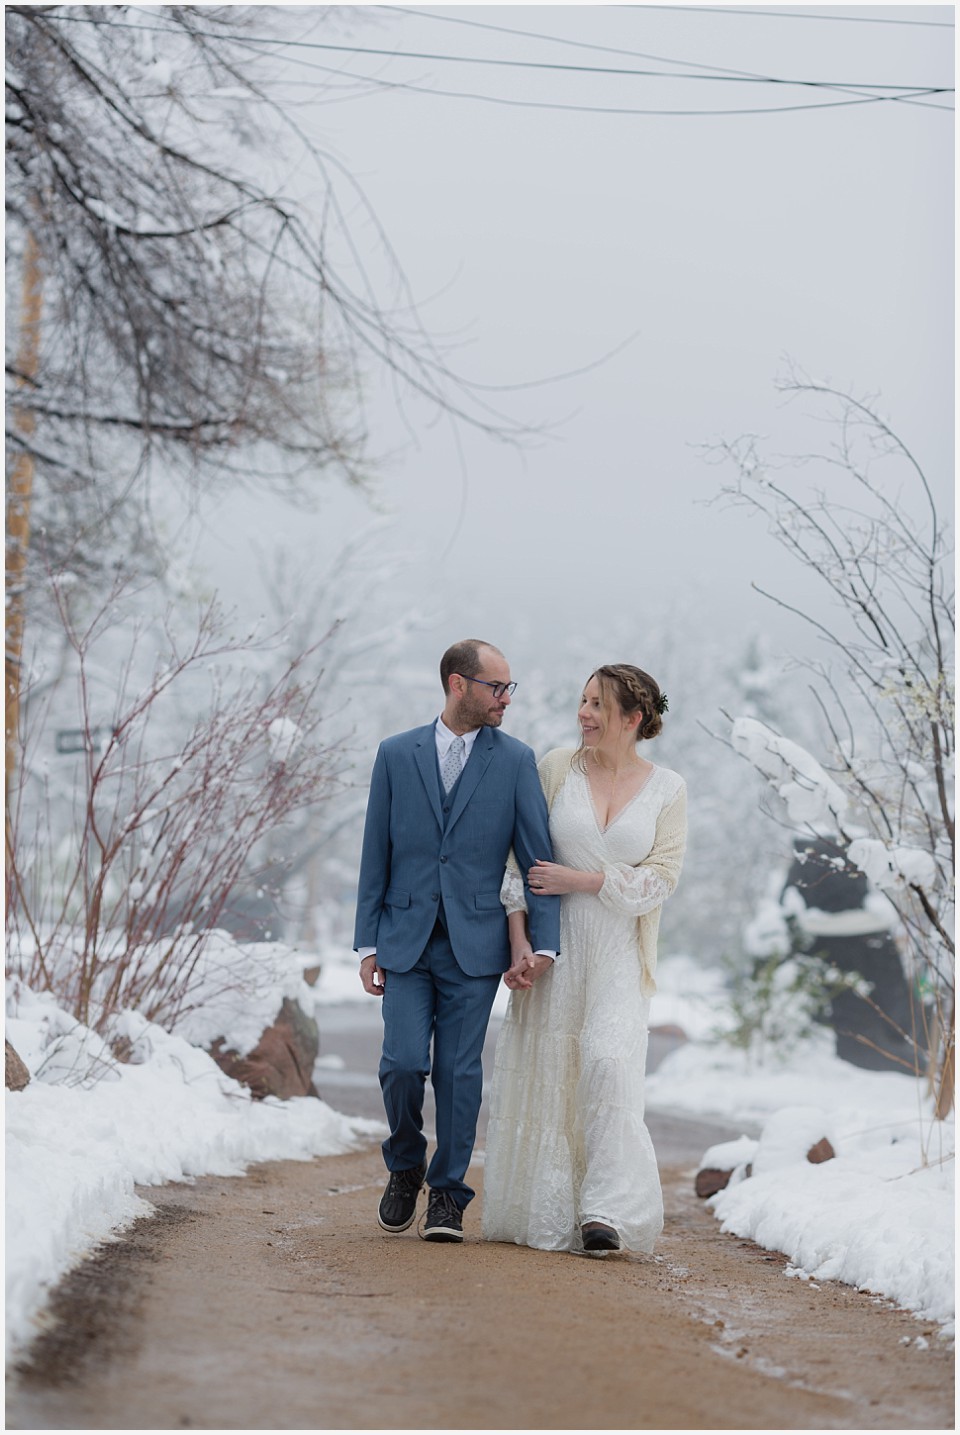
[{"x": 537, "y": 241}]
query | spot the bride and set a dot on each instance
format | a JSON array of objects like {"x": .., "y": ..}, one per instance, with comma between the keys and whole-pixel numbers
[{"x": 570, "y": 1165}]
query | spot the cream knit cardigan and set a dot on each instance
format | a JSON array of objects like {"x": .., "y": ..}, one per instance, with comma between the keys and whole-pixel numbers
[{"x": 665, "y": 856}]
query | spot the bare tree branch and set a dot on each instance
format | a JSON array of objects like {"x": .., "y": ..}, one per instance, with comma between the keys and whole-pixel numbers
[{"x": 888, "y": 573}]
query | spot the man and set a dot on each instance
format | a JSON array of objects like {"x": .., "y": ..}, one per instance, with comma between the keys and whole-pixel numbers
[{"x": 447, "y": 802}]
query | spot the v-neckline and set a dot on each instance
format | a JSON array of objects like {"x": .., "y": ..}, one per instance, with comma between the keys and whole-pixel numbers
[{"x": 629, "y": 803}]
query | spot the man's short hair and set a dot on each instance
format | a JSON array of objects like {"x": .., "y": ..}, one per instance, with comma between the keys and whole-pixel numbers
[{"x": 463, "y": 658}]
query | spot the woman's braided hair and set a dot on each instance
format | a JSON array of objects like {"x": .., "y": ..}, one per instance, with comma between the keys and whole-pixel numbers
[{"x": 632, "y": 690}]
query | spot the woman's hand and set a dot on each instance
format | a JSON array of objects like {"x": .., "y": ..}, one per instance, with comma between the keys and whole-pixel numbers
[
  {"x": 526, "y": 966},
  {"x": 551, "y": 879},
  {"x": 517, "y": 977}
]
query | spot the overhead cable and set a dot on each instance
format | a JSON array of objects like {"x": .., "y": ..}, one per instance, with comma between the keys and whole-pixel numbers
[
  {"x": 909, "y": 94},
  {"x": 501, "y": 62},
  {"x": 796, "y": 15},
  {"x": 916, "y": 97}
]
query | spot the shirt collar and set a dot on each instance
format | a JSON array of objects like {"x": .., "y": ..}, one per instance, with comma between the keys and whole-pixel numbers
[{"x": 445, "y": 738}]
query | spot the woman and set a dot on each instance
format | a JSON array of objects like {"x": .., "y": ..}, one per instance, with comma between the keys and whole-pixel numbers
[{"x": 570, "y": 1164}]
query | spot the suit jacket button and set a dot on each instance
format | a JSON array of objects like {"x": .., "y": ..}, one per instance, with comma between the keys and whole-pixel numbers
[
  {"x": 434, "y": 896},
  {"x": 443, "y": 859}
]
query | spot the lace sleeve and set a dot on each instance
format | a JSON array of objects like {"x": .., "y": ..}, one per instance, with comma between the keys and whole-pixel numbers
[
  {"x": 633, "y": 891},
  {"x": 511, "y": 891}
]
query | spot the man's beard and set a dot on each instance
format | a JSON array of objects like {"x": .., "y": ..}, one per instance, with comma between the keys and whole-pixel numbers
[{"x": 474, "y": 714}]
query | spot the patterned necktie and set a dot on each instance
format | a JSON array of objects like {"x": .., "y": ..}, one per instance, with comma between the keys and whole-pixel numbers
[{"x": 452, "y": 764}]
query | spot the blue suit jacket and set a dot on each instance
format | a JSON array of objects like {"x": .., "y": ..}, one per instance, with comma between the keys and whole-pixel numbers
[{"x": 415, "y": 855}]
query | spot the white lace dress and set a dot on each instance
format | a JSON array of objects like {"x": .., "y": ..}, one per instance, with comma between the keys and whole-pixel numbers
[{"x": 566, "y": 1139}]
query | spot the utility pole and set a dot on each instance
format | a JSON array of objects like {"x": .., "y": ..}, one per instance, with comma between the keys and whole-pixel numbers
[{"x": 19, "y": 496}]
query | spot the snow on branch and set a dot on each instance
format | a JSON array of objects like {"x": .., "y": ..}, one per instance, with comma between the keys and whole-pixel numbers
[
  {"x": 893, "y": 868},
  {"x": 812, "y": 797},
  {"x": 860, "y": 516}
]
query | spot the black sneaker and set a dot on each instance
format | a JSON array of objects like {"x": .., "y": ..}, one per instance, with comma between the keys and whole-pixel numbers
[
  {"x": 398, "y": 1204},
  {"x": 444, "y": 1219}
]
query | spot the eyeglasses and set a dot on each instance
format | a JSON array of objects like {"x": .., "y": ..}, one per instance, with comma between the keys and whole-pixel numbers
[{"x": 498, "y": 688}]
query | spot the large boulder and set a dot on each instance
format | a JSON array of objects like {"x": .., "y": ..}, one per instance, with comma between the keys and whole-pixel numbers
[
  {"x": 17, "y": 1075},
  {"x": 281, "y": 1064}
]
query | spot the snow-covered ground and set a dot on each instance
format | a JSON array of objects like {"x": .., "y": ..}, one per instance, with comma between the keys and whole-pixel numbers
[
  {"x": 88, "y": 1129},
  {"x": 880, "y": 1215}
]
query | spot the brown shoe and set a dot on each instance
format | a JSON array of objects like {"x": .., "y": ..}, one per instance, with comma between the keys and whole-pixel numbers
[{"x": 598, "y": 1237}]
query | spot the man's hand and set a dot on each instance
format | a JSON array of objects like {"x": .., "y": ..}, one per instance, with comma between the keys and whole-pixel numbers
[
  {"x": 525, "y": 968},
  {"x": 372, "y": 976},
  {"x": 537, "y": 965}
]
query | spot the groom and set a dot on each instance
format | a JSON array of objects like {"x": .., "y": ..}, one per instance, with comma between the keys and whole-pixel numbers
[{"x": 447, "y": 802}]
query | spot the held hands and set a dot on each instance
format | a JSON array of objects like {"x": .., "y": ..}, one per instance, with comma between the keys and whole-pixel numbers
[
  {"x": 372, "y": 976},
  {"x": 550, "y": 879},
  {"x": 525, "y": 968}
]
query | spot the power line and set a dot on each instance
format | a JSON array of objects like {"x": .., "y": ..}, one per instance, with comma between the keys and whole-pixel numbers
[
  {"x": 911, "y": 92},
  {"x": 797, "y": 15},
  {"x": 726, "y": 70},
  {"x": 575, "y": 44},
  {"x": 499, "y": 62},
  {"x": 556, "y": 39},
  {"x": 915, "y": 97}
]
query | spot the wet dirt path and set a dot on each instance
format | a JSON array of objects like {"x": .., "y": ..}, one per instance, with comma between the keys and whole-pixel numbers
[{"x": 274, "y": 1302}]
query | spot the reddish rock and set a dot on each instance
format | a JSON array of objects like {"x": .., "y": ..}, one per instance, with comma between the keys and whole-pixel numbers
[
  {"x": 281, "y": 1063},
  {"x": 710, "y": 1181},
  {"x": 17, "y": 1075}
]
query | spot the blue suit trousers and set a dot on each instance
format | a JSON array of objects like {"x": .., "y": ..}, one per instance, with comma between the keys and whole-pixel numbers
[{"x": 434, "y": 1000}]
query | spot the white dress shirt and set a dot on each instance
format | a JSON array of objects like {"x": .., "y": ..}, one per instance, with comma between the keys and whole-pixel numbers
[{"x": 445, "y": 737}]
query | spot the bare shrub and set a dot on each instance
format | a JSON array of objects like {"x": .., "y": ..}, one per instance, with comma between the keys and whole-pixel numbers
[
  {"x": 183, "y": 780},
  {"x": 874, "y": 538}
]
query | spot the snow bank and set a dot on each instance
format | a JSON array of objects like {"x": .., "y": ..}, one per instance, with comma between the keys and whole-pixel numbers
[
  {"x": 87, "y": 1130},
  {"x": 879, "y": 1216},
  {"x": 874, "y": 1217},
  {"x": 238, "y": 988}
]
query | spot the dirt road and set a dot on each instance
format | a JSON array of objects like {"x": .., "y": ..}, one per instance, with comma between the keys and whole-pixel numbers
[{"x": 275, "y": 1302}]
